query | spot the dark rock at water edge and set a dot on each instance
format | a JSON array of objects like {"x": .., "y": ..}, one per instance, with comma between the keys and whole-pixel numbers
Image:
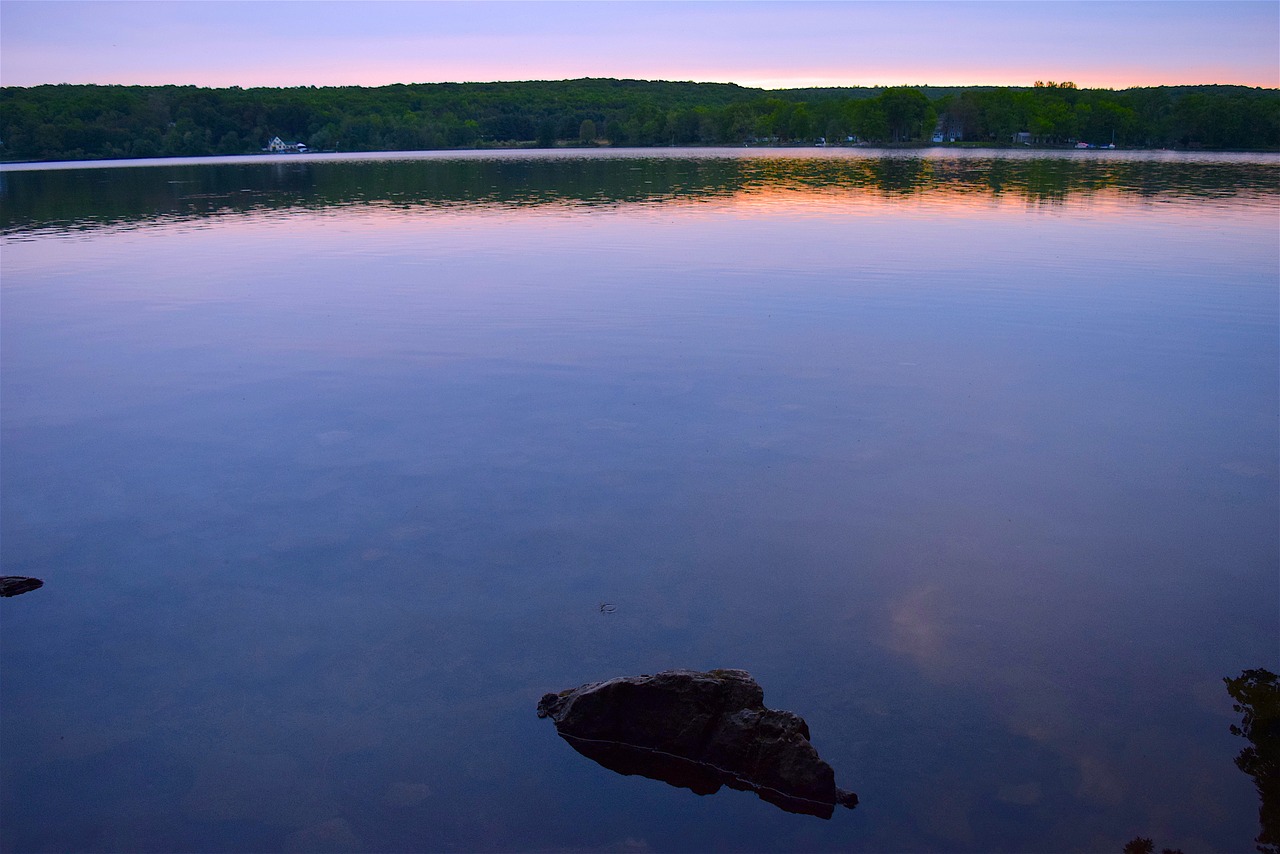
[
  {"x": 12, "y": 585},
  {"x": 698, "y": 731}
]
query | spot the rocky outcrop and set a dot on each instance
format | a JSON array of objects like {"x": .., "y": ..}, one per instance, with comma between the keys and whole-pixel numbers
[
  {"x": 12, "y": 585},
  {"x": 698, "y": 731}
]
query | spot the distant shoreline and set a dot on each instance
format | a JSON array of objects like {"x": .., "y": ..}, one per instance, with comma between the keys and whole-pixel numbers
[
  {"x": 73, "y": 122},
  {"x": 604, "y": 148}
]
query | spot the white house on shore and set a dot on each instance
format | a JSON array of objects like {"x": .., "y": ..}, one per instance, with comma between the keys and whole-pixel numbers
[{"x": 276, "y": 145}]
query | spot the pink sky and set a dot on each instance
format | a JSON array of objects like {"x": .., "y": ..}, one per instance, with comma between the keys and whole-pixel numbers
[{"x": 769, "y": 44}]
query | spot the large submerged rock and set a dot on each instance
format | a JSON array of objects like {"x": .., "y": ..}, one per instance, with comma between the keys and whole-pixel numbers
[
  {"x": 698, "y": 731},
  {"x": 12, "y": 585}
]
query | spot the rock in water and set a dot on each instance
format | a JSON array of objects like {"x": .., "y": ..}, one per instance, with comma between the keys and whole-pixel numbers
[
  {"x": 12, "y": 585},
  {"x": 698, "y": 731}
]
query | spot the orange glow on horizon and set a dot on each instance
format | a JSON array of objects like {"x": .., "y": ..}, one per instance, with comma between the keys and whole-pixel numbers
[
  {"x": 769, "y": 45},
  {"x": 1118, "y": 78}
]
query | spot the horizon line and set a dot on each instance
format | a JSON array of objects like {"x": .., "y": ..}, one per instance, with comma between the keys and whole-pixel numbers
[{"x": 754, "y": 85}]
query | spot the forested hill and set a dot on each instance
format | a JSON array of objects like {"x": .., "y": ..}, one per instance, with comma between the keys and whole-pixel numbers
[{"x": 88, "y": 122}]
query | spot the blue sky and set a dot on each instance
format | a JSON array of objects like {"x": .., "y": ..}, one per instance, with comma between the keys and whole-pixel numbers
[{"x": 771, "y": 44}]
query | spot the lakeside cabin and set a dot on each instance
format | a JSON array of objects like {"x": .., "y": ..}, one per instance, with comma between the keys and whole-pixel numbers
[{"x": 278, "y": 146}]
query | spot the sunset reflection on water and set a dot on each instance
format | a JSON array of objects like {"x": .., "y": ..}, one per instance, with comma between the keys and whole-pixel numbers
[{"x": 328, "y": 465}]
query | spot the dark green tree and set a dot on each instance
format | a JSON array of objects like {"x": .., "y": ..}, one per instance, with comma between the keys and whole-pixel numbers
[
  {"x": 908, "y": 112},
  {"x": 74, "y": 121},
  {"x": 547, "y": 133}
]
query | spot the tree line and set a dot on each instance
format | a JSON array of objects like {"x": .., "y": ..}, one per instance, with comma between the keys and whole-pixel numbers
[{"x": 90, "y": 122}]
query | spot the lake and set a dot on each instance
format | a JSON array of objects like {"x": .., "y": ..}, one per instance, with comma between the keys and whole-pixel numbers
[{"x": 334, "y": 465}]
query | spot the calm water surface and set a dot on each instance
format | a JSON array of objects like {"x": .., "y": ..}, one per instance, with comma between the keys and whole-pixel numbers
[{"x": 328, "y": 465}]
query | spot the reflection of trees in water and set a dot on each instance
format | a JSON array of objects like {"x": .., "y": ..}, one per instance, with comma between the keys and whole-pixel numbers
[
  {"x": 899, "y": 175},
  {"x": 1143, "y": 845},
  {"x": 1257, "y": 700},
  {"x": 81, "y": 198}
]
